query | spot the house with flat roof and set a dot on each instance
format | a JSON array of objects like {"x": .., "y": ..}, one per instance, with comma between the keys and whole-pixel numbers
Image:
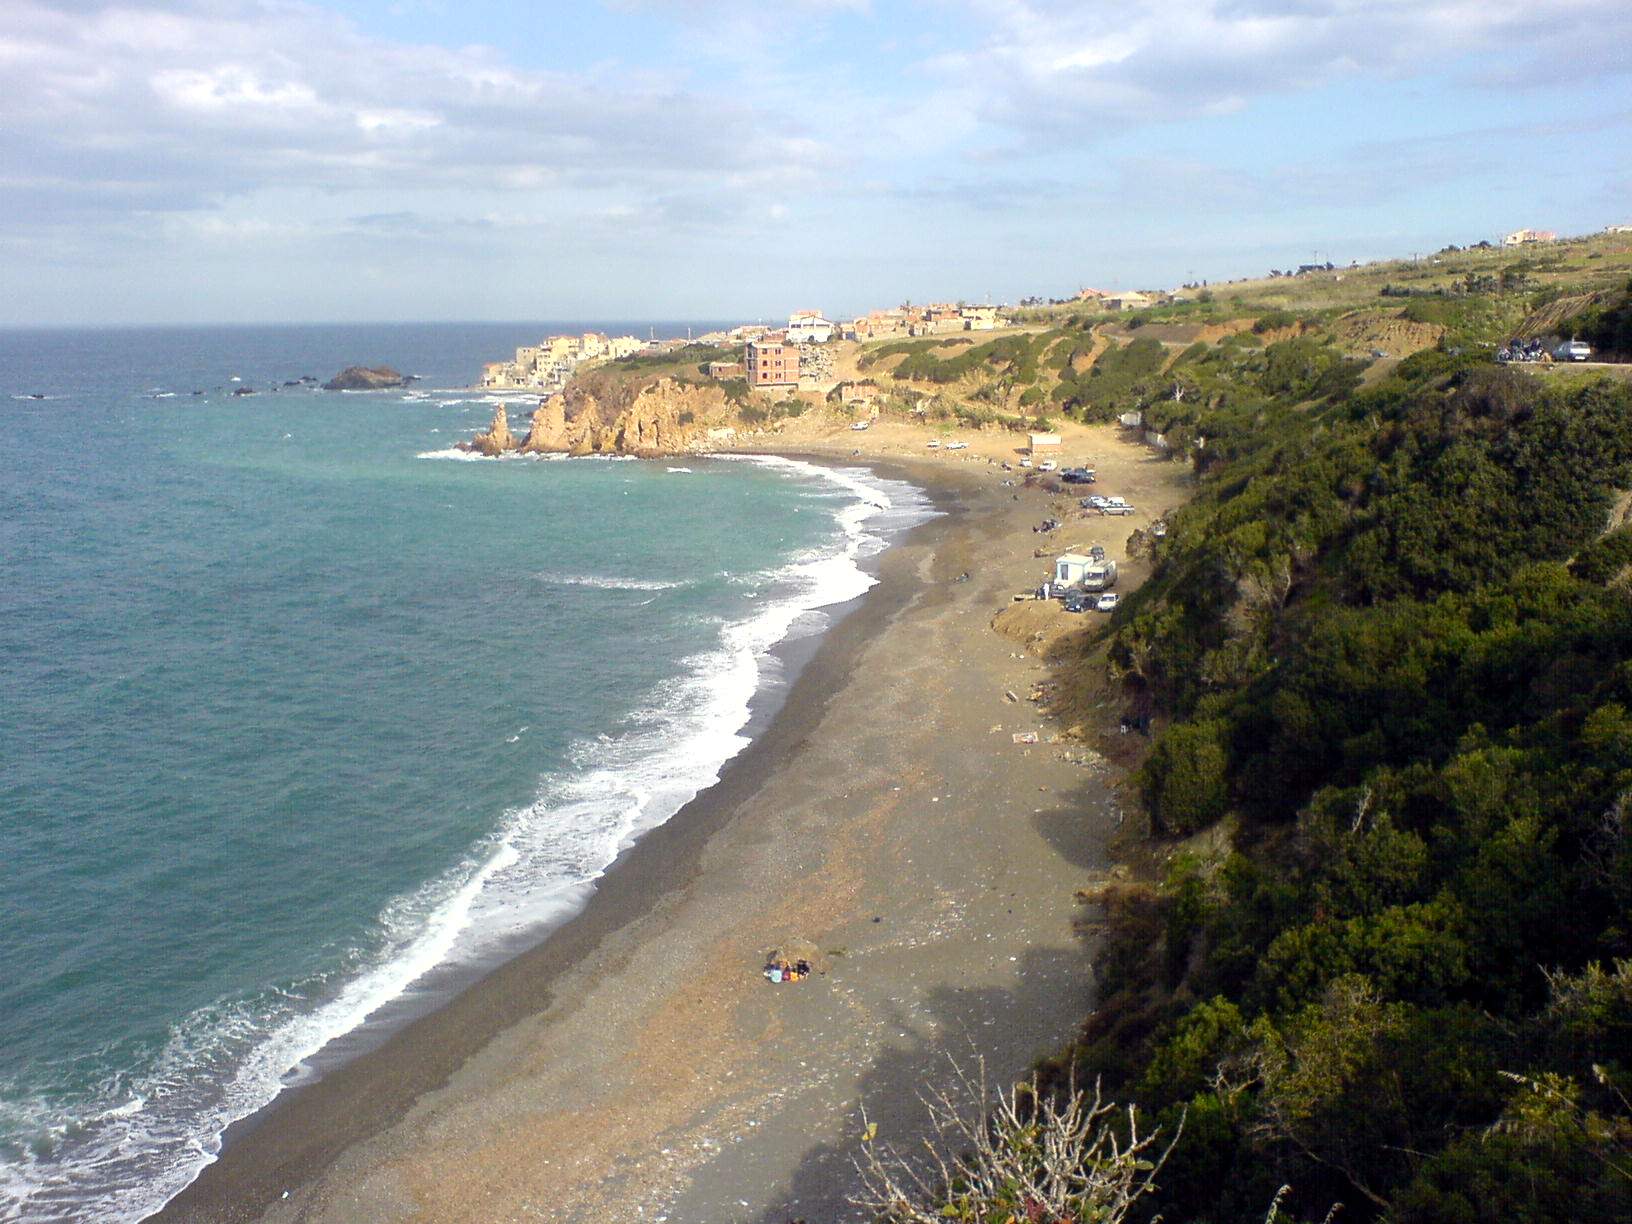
[
  {"x": 772, "y": 363},
  {"x": 809, "y": 327}
]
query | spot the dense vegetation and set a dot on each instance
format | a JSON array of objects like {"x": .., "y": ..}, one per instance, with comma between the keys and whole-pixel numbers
[
  {"x": 1607, "y": 328},
  {"x": 1392, "y": 966}
]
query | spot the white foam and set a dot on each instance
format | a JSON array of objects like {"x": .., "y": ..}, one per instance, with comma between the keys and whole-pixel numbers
[
  {"x": 228, "y": 1061},
  {"x": 607, "y": 582},
  {"x": 453, "y": 452}
]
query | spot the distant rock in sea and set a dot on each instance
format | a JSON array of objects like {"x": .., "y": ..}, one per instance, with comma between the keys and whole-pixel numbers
[{"x": 364, "y": 378}]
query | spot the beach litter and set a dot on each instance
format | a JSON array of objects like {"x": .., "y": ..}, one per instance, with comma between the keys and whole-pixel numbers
[{"x": 1025, "y": 737}]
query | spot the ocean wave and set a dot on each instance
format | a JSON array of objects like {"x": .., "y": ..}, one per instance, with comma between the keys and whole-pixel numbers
[
  {"x": 155, "y": 1133},
  {"x": 607, "y": 582}
]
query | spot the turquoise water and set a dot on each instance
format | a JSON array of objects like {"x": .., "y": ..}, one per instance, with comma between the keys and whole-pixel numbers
[{"x": 298, "y": 711}]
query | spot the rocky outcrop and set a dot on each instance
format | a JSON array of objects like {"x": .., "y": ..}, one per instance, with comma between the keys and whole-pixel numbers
[
  {"x": 496, "y": 440},
  {"x": 659, "y": 418},
  {"x": 365, "y": 378},
  {"x": 548, "y": 432}
]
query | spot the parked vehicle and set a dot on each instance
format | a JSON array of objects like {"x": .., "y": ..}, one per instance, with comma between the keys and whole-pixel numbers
[
  {"x": 1077, "y": 475},
  {"x": 1118, "y": 508},
  {"x": 1075, "y": 601},
  {"x": 1572, "y": 350},
  {"x": 858, "y": 426},
  {"x": 1093, "y": 502},
  {"x": 933, "y": 444},
  {"x": 1025, "y": 463},
  {"x": 1047, "y": 465},
  {"x": 1097, "y": 552},
  {"x": 956, "y": 446},
  {"x": 1100, "y": 576},
  {"x": 1107, "y": 602}
]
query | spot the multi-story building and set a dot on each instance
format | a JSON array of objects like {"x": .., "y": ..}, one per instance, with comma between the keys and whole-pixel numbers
[{"x": 772, "y": 363}]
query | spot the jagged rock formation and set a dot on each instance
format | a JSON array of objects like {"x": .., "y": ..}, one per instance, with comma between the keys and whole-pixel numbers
[
  {"x": 365, "y": 378},
  {"x": 496, "y": 440},
  {"x": 661, "y": 417}
]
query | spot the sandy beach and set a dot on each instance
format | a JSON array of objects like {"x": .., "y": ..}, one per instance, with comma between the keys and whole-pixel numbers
[{"x": 637, "y": 1065}]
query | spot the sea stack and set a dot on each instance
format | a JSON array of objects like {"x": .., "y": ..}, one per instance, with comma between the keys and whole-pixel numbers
[{"x": 496, "y": 440}]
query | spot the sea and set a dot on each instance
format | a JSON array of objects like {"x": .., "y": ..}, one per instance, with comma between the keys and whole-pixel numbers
[{"x": 307, "y": 717}]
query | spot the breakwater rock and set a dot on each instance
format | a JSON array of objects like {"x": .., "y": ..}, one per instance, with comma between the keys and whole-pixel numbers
[{"x": 366, "y": 378}]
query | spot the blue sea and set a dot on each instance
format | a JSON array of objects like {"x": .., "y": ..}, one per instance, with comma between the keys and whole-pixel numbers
[{"x": 305, "y": 715}]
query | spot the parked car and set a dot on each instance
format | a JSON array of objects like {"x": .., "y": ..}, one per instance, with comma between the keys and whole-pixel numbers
[
  {"x": 1118, "y": 508},
  {"x": 956, "y": 446},
  {"x": 933, "y": 444},
  {"x": 1572, "y": 350},
  {"x": 1107, "y": 602},
  {"x": 1093, "y": 502},
  {"x": 1026, "y": 463},
  {"x": 1097, "y": 553},
  {"x": 1075, "y": 601},
  {"x": 1077, "y": 475},
  {"x": 1047, "y": 465}
]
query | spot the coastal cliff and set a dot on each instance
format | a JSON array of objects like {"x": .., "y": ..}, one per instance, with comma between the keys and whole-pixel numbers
[{"x": 661, "y": 417}]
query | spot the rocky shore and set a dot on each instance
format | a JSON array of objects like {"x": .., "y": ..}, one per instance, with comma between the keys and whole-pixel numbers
[{"x": 663, "y": 417}]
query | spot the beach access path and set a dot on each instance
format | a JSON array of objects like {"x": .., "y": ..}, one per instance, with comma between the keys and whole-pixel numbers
[{"x": 638, "y": 1066}]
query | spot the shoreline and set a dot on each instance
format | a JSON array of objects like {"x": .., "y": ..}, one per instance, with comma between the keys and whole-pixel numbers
[
  {"x": 592, "y": 1049},
  {"x": 426, "y": 1035}
]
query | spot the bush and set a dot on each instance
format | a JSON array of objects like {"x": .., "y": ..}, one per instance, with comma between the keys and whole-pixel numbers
[{"x": 1185, "y": 781}]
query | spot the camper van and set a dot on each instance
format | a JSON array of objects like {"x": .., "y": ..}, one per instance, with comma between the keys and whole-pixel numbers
[{"x": 1099, "y": 576}]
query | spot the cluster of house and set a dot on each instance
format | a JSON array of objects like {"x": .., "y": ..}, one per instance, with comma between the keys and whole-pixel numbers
[
  {"x": 547, "y": 365},
  {"x": 781, "y": 357}
]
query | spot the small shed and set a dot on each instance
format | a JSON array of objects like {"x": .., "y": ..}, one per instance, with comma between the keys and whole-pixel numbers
[
  {"x": 1044, "y": 441},
  {"x": 1070, "y": 567}
]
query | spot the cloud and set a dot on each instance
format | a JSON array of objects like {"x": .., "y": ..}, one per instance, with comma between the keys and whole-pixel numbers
[
  {"x": 1051, "y": 63},
  {"x": 146, "y": 107}
]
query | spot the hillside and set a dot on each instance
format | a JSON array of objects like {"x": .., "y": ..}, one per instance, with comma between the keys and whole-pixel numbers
[{"x": 1381, "y": 953}]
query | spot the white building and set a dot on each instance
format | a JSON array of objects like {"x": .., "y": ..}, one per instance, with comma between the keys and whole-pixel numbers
[
  {"x": 809, "y": 327},
  {"x": 1069, "y": 568}
]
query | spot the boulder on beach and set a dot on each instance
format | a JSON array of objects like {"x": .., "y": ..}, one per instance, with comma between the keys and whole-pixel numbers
[{"x": 365, "y": 378}]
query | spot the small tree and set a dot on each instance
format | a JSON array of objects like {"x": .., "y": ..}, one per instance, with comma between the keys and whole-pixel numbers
[{"x": 1021, "y": 1155}]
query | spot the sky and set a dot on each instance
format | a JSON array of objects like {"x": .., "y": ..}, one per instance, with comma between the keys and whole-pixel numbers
[{"x": 373, "y": 160}]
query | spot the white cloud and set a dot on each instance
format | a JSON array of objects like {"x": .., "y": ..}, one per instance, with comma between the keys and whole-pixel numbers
[
  {"x": 126, "y": 105},
  {"x": 1052, "y": 62}
]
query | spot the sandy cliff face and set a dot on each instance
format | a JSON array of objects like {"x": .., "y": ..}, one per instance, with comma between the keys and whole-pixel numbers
[{"x": 659, "y": 418}]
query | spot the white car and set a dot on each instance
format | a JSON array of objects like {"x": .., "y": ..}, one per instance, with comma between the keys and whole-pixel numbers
[
  {"x": 1047, "y": 465},
  {"x": 1025, "y": 463},
  {"x": 1096, "y": 502},
  {"x": 1107, "y": 602},
  {"x": 933, "y": 444},
  {"x": 956, "y": 446}
]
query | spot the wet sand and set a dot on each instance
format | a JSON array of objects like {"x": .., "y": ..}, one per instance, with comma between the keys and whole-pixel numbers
[{"x": 636, "y": 1065}]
